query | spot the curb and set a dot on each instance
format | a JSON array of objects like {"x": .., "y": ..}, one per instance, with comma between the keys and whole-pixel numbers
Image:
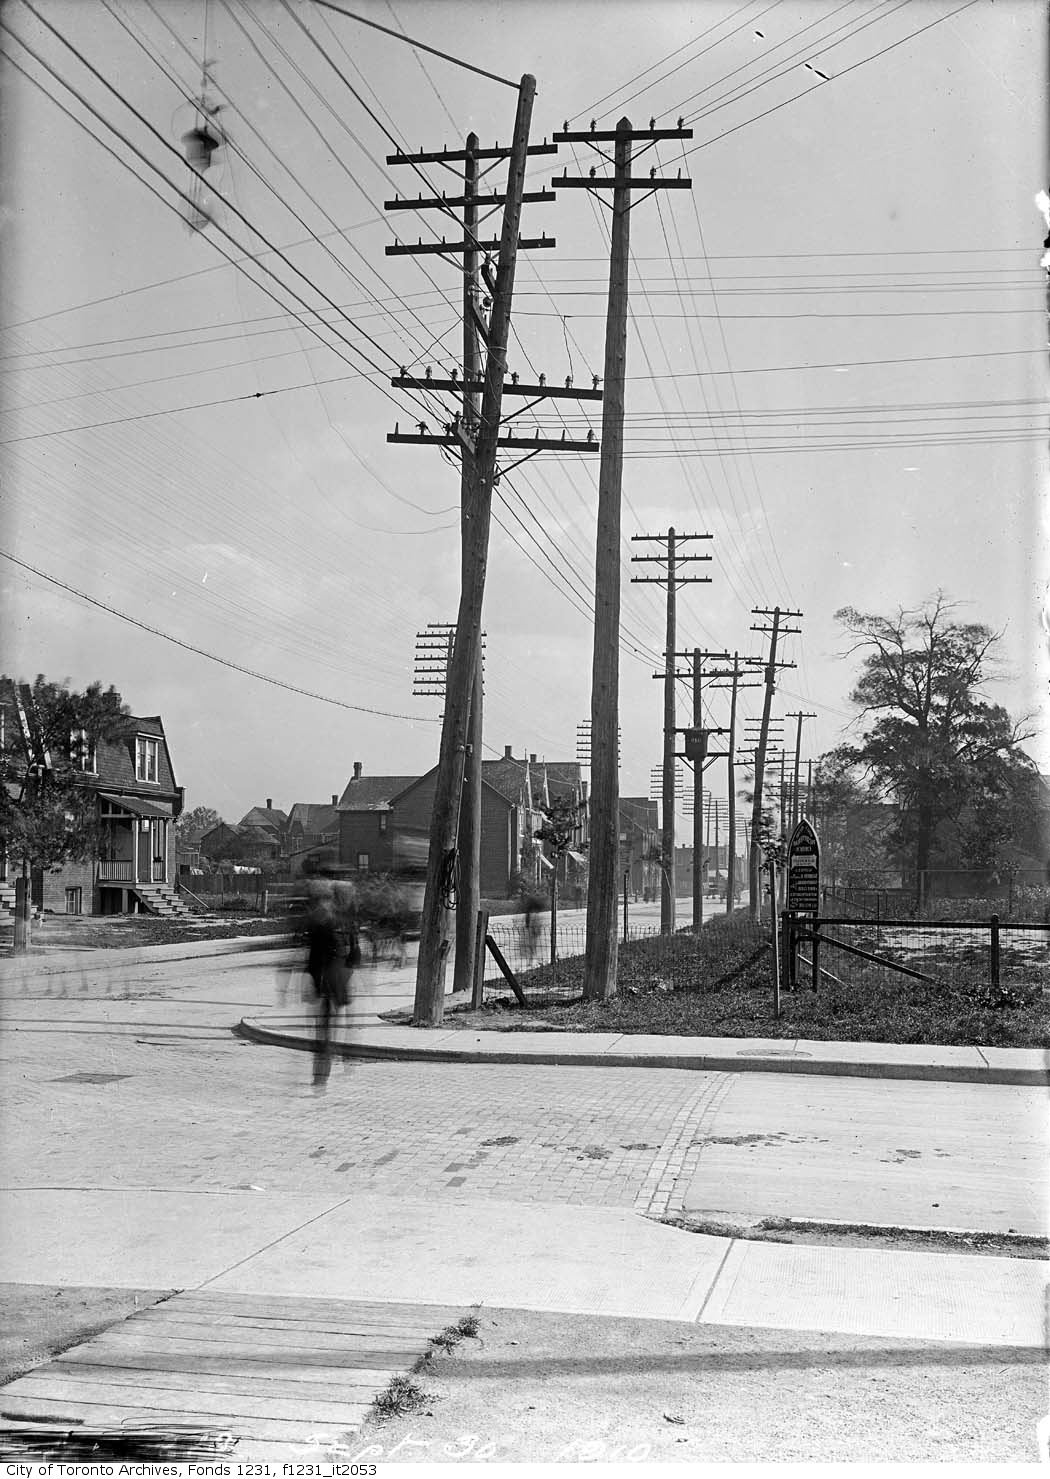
[
  {"x": 705, "y": 1062},
  {"x": 235, "y": 945}
]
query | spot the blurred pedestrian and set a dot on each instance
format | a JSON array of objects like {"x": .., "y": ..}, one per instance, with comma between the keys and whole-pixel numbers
[{"x": 332, "y": 952}]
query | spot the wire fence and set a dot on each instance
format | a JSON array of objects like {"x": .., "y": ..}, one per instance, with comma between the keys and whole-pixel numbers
[
  {"x": 526, "y": 949},
  {"x": 983, "y": 955},
  {"x": 1014, "y": 895}
]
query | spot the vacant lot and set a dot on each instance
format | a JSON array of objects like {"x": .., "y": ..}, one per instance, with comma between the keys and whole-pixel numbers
[{"x": 720, "y": 984}]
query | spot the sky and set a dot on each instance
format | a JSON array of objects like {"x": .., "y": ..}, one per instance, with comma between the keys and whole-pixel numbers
[{"x": 836, "y": 362}]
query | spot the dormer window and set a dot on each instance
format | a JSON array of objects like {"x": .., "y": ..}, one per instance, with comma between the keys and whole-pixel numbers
[
  {"x": 146, "y": 758},
  {"x": 82, "y": 752}
]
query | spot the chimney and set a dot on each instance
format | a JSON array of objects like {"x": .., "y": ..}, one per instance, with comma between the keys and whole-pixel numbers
[
  {"x": 532, "y": 759},
  {"x": 335, "y": 799},
  {"x": 357, "y": 770},
  {"x": 269, "y": 803},
  {"x": 508, "y": 752}
]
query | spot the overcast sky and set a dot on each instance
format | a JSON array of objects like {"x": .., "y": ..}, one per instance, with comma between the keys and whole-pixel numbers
[{"x": 836, "y": 361}]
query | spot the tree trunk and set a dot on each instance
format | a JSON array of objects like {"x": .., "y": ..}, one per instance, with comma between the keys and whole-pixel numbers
[
  {"x": 23, "y": 912},
  {"x": 923, "y": 847}
]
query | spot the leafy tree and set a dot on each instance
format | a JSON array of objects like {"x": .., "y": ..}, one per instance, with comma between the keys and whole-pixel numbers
[
  {"x": 933, "y": 741},
  {"x": 47, "y": 814},
  {"x": 560, "y": 817},
  {"x": 852, "y": 831},
  {"x": 192, "y": 825}
]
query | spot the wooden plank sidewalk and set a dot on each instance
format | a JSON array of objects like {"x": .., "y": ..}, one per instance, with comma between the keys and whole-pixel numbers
[{"x": 237, "y": 1366}]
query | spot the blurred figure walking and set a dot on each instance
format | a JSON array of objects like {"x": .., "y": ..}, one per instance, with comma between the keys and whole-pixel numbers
[{"x": 328, "y": 931}]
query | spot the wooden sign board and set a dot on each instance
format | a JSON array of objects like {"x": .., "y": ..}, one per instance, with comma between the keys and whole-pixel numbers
[{"x": 803, "y": 870}]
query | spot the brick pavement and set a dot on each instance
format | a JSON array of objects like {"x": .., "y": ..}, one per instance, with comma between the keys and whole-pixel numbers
[{"x": 161, "y": 1096}]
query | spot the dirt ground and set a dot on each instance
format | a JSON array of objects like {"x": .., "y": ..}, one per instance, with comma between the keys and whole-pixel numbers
[
  {"x": 39, "y": 1320},
  {"x": 576, "y": 1389},
  {"x": 571, "y": 1389}
]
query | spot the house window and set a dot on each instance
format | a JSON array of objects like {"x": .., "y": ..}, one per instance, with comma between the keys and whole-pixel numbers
[
  {"x": 382, "y": 821},
  {"x": 145, "y": 758},
  {"x": 82, "y": 751},
  {"x": 362, "y": 861}
]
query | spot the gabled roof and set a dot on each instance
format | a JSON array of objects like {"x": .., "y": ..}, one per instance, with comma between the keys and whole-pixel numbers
[
  {"x": 264, "y": 816},
  {"x": 251, "y": 832},
  {"x": 373, "y": 792},
  {"x": 313, "y": 817},
  {"x": 505, "y": 776},
  {"x": 115, "y": 758}
]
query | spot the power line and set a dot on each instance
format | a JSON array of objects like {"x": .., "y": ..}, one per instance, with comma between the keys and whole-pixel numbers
[
  {"x": 211, "y": 656},
  {"x": 787, "y": 101},
  {"x": 419, "y": 45}
]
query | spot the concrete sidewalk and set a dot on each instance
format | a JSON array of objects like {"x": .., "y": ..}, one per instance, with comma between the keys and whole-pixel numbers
[
  {"x": 541, "y": 1257},
  {"x": 1026, "y": 1066}
]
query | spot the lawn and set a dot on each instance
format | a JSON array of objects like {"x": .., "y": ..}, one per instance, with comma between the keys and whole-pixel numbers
[{"x": 720, "y": 985}]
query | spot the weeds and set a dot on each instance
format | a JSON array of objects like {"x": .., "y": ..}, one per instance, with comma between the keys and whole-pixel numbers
[
  {"x": 466, "y": 1327},
  {"x": 402, "y": 1396}
]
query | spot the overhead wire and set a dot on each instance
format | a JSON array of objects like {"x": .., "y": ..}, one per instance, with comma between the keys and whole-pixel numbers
[{"x": 211, "y": 656}]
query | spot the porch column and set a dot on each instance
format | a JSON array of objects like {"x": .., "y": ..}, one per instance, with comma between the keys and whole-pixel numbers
[{"x": 135, "y": 825}]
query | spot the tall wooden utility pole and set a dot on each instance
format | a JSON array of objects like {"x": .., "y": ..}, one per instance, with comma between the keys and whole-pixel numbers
[
  {"x": 468, "y": 893},
  {"x": 734, "y": 675},
  {"x": 474, "y": 434},
  {"x": 599, "y": 980},
  {"x": 799, "y": 715},
  {"x": 698, "y": 802},
  {"x": 775, "y": 633},
  {"x": 672, "y": 559}
]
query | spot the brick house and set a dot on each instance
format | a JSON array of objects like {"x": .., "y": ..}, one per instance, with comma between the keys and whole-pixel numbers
[
  {"x": 138, "y": 800},
  {"x": 365, "y": 827}
]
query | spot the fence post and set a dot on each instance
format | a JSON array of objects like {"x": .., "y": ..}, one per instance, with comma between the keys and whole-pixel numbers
[
  {"x": 791, "y": 949},
  {"x": 994, "y": 952},
  {"x": 477, "y": 988},
  {"x": 776, "y": 938},
  {"x": 625, "y": 878},
  {"x": 816, "y": 951}
]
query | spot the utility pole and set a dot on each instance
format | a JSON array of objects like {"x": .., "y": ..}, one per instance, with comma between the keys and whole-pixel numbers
[
  {"x": 599, "y": 982},
  {"x": 798, "y": 715},
  {"x": 734, "y": 675},
  {"x": 474, "y": 434},
  {"x": 776, "y": 631},
  {"x": 672, "y": 580}
]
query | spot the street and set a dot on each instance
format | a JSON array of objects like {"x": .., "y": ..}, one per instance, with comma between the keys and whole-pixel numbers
[{"x": 129, "y": 1077}]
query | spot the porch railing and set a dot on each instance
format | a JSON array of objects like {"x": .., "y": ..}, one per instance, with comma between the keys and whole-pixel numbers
[
  {"x": 159, "y": 871},
  {"x": 115, "y": 871}
]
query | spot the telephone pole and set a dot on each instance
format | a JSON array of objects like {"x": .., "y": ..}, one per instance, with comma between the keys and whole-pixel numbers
[
  {"x": 798, "y": 715},
  {"x": 776, "y": 631},
  {"x": 672, "y": 559},
  {"x": 474, "y": 435},
  {"x": 600, "y": 968},
  {"x": 717, "y": 678}
]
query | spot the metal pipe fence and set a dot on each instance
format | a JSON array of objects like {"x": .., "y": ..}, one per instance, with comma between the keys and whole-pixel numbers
[{"x": 989, "y": 955}]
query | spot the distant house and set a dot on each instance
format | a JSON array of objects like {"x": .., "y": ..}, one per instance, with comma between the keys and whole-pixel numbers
[
  {"x": 264, "y": 831},
  {"x": 220, "y": 843},
  {"x": 365, "y": 811},
  {"x": 384, "y": 821},
  {"x": 640, "y": 845},
  {"x": 138, "y": 799},
  {"x": 313, "y": 833}
]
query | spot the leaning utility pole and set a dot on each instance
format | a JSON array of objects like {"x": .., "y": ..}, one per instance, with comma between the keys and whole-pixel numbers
[
  {"x": 672, "y": 580},
  {"x": 599, "y": 980},
  {"x": 775, "y": 633},
  {"x": 473, "y": 433}
]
